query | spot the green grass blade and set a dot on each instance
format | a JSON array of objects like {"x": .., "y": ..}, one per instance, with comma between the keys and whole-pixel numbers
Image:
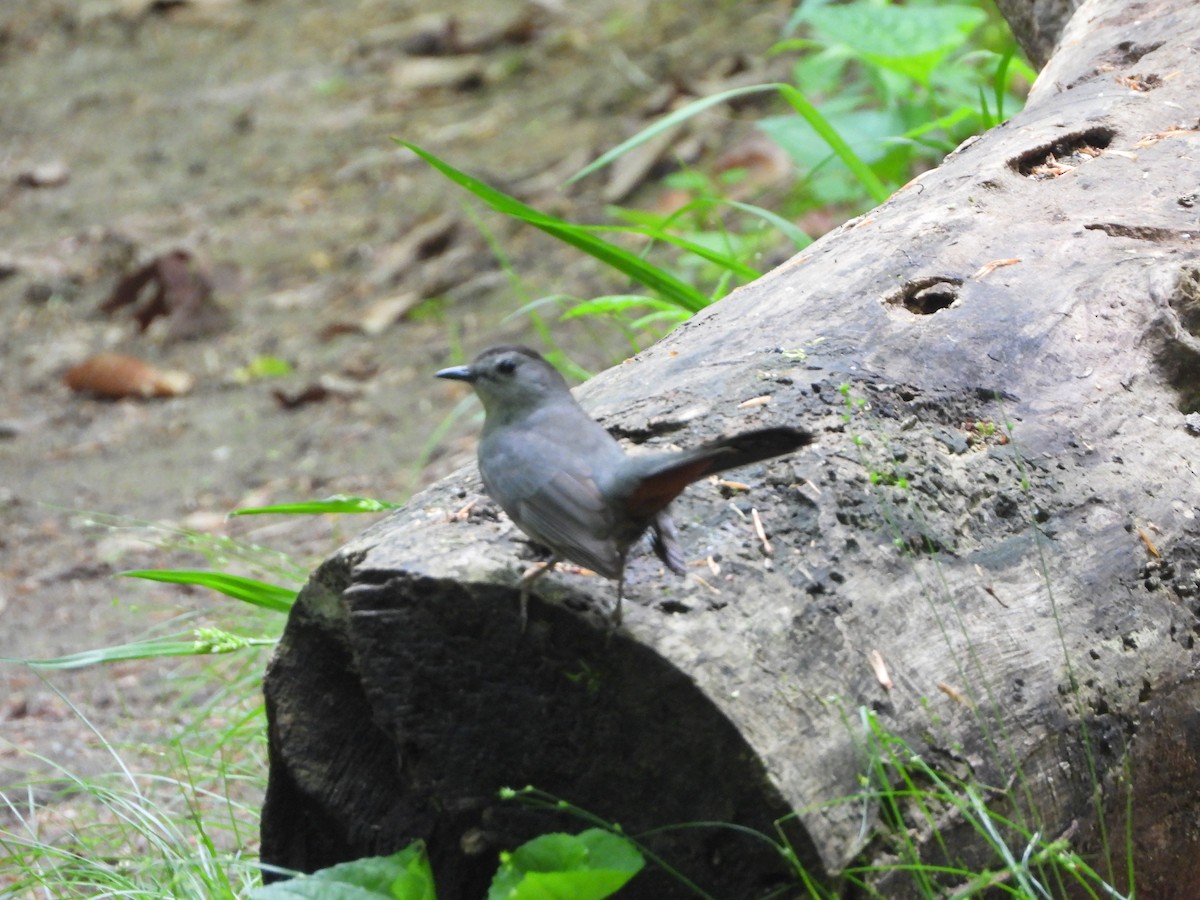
[
  {"x": 150, "y": 649},
  {"x": 616, "y": 304},
  {"x": 985, "y": 114},
  {"x": 724, "y": 260},
  {"x": 666, "y": 122},
  {"x": 623, "y": 261},
  {"x": 339, "y": 503},
  {"x": 866, "y": 177},
  {"x": 1000, "y": 79},
  {"x": 947, "y": 121},
  {"x": 681, "y": 293},
  {"x": 788, "y": 229},
  {"x": 248, "y": 590}
]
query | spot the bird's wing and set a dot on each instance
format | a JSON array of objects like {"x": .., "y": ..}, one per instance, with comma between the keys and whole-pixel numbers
[
  {"x": 557, "y": 504},
  {"x": 569, "y": 516}
]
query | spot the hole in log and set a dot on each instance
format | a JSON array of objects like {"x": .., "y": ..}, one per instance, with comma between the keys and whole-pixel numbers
[
  {"x": 1127, "y": 53},
  {"x": 1186, "y": 301},
  {"x": 925, "y": 296},
  {"x": 1142, "y": 232},
  {"x": 1178, "y": 339},
  {"x": 1063, "y": 155},
  {"x": 1140, "y": 83}
]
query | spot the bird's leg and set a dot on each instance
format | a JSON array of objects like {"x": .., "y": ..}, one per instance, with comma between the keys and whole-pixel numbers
[
  {"x": 530, "y": 576},
  {"x": 616, "y": 616}
]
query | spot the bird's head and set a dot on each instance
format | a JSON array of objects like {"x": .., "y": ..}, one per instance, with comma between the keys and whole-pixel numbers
[{"x": 511, "y": 381}]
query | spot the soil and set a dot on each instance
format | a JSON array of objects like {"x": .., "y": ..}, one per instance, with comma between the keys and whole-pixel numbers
[{"x": 256, "y": 138}]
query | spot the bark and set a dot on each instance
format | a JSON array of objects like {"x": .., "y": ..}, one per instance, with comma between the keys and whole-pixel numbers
[
  {"x": 1038, "y": 24},
  {"x": 1003, "y": 365}
]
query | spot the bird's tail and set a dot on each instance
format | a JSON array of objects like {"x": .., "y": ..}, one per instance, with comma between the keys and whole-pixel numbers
[
  {"x": 750, "y": 447},
  {"x": 654, "y": 481}
]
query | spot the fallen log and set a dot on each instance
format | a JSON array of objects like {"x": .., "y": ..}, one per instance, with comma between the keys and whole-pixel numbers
[{"x": 992, "y": 553}]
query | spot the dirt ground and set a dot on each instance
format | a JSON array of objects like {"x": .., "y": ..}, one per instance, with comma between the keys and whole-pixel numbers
[{"x": 255, "y": 136}]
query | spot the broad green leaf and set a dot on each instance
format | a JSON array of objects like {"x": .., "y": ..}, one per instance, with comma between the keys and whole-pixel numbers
[
  {"x": 248, "y": 590},
  {"x": 830, "y": 135},
  {"x": 588, "y": 866},
  {"x": 402, "y": 876},
  {"x": 865, "y": 131},
  {"x": 585, "y": 884},
  {"x": 910, "y": 40},
  {"x": 827, "y": 72},
  {"x": 336, "y": 504}
]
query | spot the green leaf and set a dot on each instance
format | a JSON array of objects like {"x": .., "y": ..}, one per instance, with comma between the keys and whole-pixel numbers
[
  {"x": 248, "y": 590},
  {"x": 864, "y": 130},
  {"x": 910, "y": 40},
  {"x": 827, "y": 72},
  {"x": 262, "y": 367},
  {"x": 829, "y": 134},
  {"x": 588, "y": 866},
  {"x": 402, "y": 876},
  {"x": 339, "y": 503},
  {"x": 623, "y": 261}
]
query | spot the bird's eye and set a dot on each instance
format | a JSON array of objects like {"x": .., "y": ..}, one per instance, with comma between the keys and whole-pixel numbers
[{"x": 506, "y": 366}]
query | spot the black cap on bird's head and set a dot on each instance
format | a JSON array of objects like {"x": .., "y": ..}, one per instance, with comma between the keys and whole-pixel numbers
[{"x": 509, "y": 379}]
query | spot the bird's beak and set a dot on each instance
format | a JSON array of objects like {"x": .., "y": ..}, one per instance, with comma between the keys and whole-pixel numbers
[{"x": 457, "y": 373}]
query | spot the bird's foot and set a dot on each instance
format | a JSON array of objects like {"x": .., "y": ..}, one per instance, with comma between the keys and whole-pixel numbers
[
  {"x": 532, "y": 574},
  {"x": 537, "y": 570}
]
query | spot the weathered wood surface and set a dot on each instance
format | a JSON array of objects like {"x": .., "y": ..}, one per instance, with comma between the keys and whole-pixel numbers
[{"x": 1047, "y": 276}]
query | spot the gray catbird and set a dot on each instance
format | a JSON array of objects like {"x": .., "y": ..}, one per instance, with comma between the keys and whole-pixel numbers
[{"x": 567, "y": 483}]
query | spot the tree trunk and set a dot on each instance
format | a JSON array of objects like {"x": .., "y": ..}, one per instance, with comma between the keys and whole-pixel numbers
[
  {"x": 1038, "y": 24},
  {"x": 1002, "y": 363}
]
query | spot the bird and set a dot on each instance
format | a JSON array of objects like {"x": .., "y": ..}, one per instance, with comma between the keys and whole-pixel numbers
[{"x": 570, "y": 486}]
